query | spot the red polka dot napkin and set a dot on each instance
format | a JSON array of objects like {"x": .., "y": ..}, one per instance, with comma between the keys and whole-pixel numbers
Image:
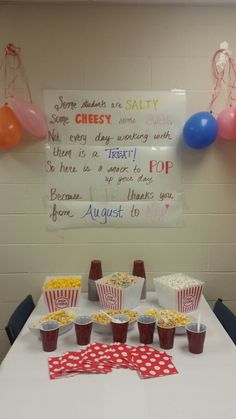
[
  {"x": 102, "y": 358},
  {"x": 118, "y": 355},
  {"x": 150, "y": 362},
  {"x": 72, "y": 363}
]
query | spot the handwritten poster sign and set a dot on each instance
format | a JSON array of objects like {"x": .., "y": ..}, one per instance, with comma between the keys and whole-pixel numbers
[{"x": 112, "y": 158}]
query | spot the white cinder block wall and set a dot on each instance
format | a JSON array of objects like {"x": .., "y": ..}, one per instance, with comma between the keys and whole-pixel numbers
[{"x": 118, "y": 47}]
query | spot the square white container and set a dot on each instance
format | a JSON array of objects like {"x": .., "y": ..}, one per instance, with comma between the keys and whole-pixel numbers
[
  {"x": 184, "y": 299},
  {"x": 60, "y": 298},
  {"x": 117, "y": 298}
]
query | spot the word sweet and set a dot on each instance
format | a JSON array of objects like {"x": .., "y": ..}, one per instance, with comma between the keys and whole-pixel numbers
[
  {"x": 102, "y": 216},
  {"x": 90, "y": 118},
  {"x": 158, "y": 120}
]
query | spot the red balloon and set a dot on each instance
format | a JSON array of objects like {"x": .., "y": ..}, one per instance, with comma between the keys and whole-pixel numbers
[
  {"x": 226, "y": 122},
  {"x": 10, "y": 128},
  {"x": 30, "y": 117}
]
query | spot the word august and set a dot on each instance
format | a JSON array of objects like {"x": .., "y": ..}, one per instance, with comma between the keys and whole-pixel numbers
[{"x": 102, "y": 216}]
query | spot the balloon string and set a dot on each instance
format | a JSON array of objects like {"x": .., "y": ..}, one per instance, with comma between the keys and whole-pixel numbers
[
  {"x": 232, "y": 69},
  {"x": 219, "y": 75},
  {"x": 11, "y": 51}
]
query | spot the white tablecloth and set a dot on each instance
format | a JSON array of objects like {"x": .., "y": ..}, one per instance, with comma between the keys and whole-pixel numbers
[{"x": 205, "y": 386}]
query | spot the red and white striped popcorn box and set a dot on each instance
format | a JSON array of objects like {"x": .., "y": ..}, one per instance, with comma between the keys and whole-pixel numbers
[
  {"x": 118, "y": 298},
  {"x": 178, "y": 292},
  {"x": 61, "y": 298}
]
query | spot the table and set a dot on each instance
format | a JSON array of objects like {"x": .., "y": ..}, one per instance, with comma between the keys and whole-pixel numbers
[{"x": 204, "y": 388}]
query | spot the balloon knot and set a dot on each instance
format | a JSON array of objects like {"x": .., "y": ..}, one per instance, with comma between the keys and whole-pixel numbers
[{"x": 12, "y": 50}]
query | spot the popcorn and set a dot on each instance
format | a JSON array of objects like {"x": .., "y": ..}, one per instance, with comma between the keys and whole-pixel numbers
[
  {"x": 170, "y": 315},
  {"x": 61, "y": 316},
  {"x": 121, "y": 279},
  {"x": 178, "y": 292},
  {"x": 178, "y": 281},
  {"x": 63, "y": 282},
  {"x": 103, "y": 319},
  {"x": 168, "y": 323}
]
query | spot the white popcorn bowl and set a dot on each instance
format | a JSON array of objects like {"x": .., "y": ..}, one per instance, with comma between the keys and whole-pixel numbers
[
  {"x": 184, "y": 300},
  {"x": 117, "y": 298},
  {"x": 34, "y": 326}
]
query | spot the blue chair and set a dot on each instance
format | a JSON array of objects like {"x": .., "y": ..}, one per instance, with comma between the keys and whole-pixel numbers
[
  {"x": 19, "y": 317},
  {"x": 226, "y": 318}
]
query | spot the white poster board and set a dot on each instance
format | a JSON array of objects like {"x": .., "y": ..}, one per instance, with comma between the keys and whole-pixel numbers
[{"x": 112, "y": 158}]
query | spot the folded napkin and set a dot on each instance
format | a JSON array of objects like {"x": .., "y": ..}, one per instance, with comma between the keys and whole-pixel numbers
[
  {"x": 100, "y": 358},
  {"x": 150, "y": 362}
]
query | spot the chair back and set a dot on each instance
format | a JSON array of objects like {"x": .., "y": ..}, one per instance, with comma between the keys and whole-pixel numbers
[
  {"x": 19, "y": 317},
  {"x": 226, "y": 318}
]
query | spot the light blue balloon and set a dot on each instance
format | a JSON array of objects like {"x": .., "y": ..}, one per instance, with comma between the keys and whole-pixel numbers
[{"x": 200, "y": 130}]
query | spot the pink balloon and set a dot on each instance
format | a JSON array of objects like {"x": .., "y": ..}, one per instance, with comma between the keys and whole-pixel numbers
[
  {"x": 30, "y": 117},
  {"x": 226, "y": 122}
]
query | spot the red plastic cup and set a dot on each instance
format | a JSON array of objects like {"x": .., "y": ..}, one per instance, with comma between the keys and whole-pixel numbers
[
  {"x": 49, "y": 331},
  {"x": 139, "y": 270},
  {"x": 166, "y": 336},
  {"x": 120, "y": 327},
  {"x": 196, "y": 337},
  {"x": 83, "y": 329},
  {"x": 146, "y": 327},
  {"x": 95, "y": 273},
  {"x": 95, "y": 270}
]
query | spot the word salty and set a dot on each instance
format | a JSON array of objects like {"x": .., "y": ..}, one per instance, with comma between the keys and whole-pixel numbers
[
  {"x": 117, "y": 153},
  {"x": 102, "y": 216},
  {"x": 90, "y": 118},
  {"x": 160, "y": 166},
  {"x": 140, "y": 105}
]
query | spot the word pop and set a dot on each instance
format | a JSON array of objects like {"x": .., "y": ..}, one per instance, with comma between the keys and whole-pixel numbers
[{"x": 160, "y": 166}]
